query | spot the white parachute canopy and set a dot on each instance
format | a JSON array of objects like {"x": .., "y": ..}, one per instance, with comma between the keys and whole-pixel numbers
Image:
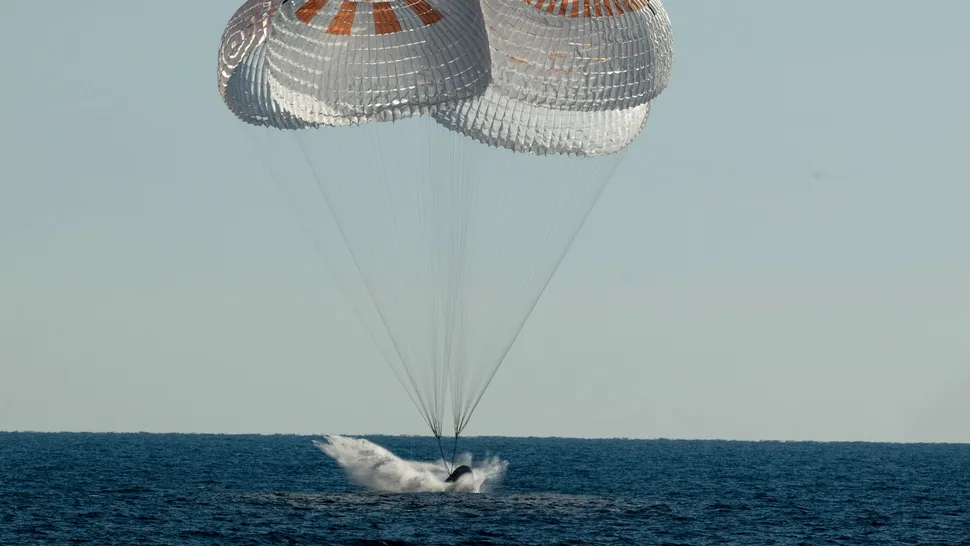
[{"x": 445, "y": 227}]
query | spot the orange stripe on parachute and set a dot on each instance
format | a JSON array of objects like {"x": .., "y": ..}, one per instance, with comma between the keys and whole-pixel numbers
[
  {"x": 309, "y": 10},
  {"x": 385, "y": 21},
  {"x": 590, "y": 8},
  {"x": 344, "y": 20},
  {"x": 422, "y": 9}
]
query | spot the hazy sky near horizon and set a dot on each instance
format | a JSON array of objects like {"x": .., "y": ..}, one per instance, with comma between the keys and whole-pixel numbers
[{"x": 785, "y": 253}]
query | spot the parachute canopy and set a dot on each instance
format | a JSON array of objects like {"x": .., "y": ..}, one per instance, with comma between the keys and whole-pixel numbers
[
  {"x": 545, "y": 76},
  {"x": 442, "y": 251}
]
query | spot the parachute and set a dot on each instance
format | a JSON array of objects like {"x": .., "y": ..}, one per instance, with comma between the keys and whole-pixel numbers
[{"x": 443, "y": 156}]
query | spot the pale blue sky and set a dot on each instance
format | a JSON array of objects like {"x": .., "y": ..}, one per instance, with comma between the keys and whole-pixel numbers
[{"x": 785, "y": 254}]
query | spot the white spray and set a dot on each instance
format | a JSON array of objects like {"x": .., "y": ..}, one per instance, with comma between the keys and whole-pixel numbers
[{"x": 372, "y": 466}]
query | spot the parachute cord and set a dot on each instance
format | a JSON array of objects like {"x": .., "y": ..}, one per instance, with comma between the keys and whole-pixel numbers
[
  {"x": 415, "y": 397},
  {"x": 441, "y": 450},
  {"x": 370, "y": 292},
  {"x": 454, "y": 451},
  {"x": 599, "y": 193},
  {"x": 412, "y": 393}
]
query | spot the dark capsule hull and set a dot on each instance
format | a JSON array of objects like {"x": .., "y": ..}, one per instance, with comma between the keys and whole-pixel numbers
[{"x": 458, "y": 473}]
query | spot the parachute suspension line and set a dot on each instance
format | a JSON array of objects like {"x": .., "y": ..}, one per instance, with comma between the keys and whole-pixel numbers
[
  {"x": 454, "y": 451},
  {"x": 432, "y": 416},
  {"x": 469, "y": 183},
  {"x": 597, "y": 194},
  {"x": 460, "y": 142},
  {"x": 426, "y": 210},
  {"x": 432, "y": 423},
  {"x": 432, "y": 209},
  {"x": 462, "y": 196},
  {"x": 466, "y": 195},
  {"x": 452, "y": 174},
  {"x": 441, "y": 450},
  {"x": 316, "y": 245}
]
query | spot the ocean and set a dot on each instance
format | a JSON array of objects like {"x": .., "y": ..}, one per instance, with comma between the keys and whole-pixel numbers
[{"x": 187, "y": 489}]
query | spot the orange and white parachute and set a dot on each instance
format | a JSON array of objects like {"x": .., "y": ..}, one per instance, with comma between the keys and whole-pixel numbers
[
  {"x": 569, "y": 77},
  {"x": 442, "y": 248}
]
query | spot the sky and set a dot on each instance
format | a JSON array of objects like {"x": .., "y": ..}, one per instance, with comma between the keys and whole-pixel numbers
[{"x": 783, "y": 254}]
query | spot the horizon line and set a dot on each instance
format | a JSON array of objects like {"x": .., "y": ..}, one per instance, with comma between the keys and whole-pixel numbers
[{"x": 485, "y": 436}]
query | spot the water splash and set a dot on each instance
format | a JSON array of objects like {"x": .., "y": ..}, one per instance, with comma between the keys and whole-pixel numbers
[{"x": 372, "y": 466}]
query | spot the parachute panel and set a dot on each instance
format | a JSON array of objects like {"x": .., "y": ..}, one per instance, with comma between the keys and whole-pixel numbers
[
  {"x": 242, "y": 71},
  {"x": 343, "y": 62},
  {"x": 249, "y": 96},
  {"x": 579, "y": 54},
  {"x": 501, "y": 121},
  {"x": 247, "y": 29}
]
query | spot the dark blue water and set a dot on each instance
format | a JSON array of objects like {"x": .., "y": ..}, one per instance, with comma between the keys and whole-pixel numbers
[{"x": 200, "y": 489}]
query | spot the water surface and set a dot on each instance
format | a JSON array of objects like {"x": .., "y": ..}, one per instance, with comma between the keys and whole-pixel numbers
[{"x": 72, "y": 488}]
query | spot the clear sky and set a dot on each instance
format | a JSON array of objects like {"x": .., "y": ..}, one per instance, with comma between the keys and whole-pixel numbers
[{"x": 785, "y": 253}]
